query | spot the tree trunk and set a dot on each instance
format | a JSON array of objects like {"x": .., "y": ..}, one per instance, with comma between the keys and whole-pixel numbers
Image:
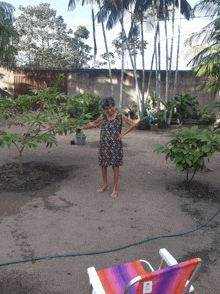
[
  {"x": 177, "y": 59},
  {"x": 132, "y": 63},
  {"x": 156, "y": 22},
  {"x": 122, "y": 62},
  {"x": 143, "y": 65},
  {"x": 171, "y": 47},
  {"x": 93, "y": 29},
  {"x": 167, "y": 84},
  {"x": 152, "y": 62},
  {"x": 106, "y": 49},
  {"x": 20, "y": 160},
  {"x": 159, "y": 69}
]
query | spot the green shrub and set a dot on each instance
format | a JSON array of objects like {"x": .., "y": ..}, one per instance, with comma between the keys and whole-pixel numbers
[
  {"x": 183, "y": 102},
  {"x": 206, "y": 115},
  {"x": 189, "y": 147},
  {"x": 91, "y": 105},
  {"x": 143, "y": 124}
]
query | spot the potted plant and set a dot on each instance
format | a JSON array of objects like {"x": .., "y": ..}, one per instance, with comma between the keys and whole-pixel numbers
[{"x": 80, "y": 137}]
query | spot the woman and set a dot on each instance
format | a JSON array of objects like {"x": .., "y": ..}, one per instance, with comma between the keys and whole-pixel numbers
[{"x": 110, "y": 148}]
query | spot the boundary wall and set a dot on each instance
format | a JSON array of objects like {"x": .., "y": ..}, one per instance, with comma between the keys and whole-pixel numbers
[{"x": 97, "y": 81}]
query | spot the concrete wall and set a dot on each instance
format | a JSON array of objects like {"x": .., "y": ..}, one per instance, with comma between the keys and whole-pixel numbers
[
  {"x": 97, "y": 82},
  {"x": 6, "y": 81}
]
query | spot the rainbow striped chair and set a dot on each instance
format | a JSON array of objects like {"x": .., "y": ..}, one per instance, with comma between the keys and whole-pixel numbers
[{"x": 131, "y": 278}]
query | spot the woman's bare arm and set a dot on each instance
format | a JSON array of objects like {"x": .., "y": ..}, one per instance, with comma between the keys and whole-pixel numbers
[
  {"x": 130, "y": 122},
  {"x": 93, "y": 124}
]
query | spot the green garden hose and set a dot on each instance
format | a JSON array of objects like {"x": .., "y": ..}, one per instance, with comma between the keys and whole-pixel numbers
[{"x": 111, "y": 250}]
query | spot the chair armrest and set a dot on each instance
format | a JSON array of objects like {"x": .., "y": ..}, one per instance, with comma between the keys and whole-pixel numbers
[
  {"x": 170, "y": 260},
  {"x": 131, "y": 283},
  {"x": 94, "y": 281},
  {"x": 141, "y": 260}
]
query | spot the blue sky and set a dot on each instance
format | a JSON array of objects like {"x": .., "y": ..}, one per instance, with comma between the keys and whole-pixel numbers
[{"x": 82, "y": 16}]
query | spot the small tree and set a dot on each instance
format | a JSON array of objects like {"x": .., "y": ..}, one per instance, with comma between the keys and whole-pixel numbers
[
  {"x": 189, "y": 148},
  {"x": 51, "y": 118}
]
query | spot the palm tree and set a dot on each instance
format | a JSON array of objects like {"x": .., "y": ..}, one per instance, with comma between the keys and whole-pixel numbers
[
  {"x": 207, "y": 58},
  {"x": 106, "y": 48},
  {"x": 158, "y": 7},
  {"x": 138, "y": 15},
  {"x": 72, "y": 6},
  {"x": 167, "y": 76},
  {"x": 113, "y": 12},
  {"x": 177, "y": 59},
  {"x": 154, "y": 55},
  {"x": 122, "y": 59}
]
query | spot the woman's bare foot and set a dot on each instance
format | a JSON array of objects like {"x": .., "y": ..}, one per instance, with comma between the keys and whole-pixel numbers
[
  {"x": 114, "y": 193},
  {"x": 105, "y": 187}
]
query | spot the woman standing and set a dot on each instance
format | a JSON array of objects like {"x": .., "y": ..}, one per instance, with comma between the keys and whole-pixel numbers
[{"x": 110, "y": 148}]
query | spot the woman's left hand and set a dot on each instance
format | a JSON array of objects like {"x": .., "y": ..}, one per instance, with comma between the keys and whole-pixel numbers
[{"x": 120, "y": 136}]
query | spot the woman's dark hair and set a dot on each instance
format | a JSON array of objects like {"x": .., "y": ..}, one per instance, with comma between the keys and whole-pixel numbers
[{"x": 107, "y": 101}]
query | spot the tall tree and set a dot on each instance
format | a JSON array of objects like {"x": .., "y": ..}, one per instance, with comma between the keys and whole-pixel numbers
[
  {"x": 112, "y": 11},
  {"x": 158, "y": 7},
  {"x": 6, "y": 12},
  {"x": 137, "y": 28},
  {"x": 106, "y": 48},
  {"x": 45, "y": 40},
  {"x": 167, "y": 73},
  {"x": 206, "y": 52},
  {"x": 177, "y": 59},
  {"x": 8, "y": 35},
  {"x": 72, "y": 6}
]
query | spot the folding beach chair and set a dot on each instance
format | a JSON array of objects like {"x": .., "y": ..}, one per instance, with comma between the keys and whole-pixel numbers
[
  {"x": 150, "y": 117},
  {"x": 131, "y": 278}
]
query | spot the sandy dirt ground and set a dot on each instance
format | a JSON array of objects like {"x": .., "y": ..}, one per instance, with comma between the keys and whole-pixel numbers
[{"x": 70, "y": 217}]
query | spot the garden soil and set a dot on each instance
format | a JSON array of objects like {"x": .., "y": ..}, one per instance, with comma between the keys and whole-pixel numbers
[{"x": 53, "y": 208}]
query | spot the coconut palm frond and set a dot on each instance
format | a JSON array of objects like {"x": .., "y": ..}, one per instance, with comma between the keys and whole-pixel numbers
[
  {"x": 202, "y": 36},
  {"x": 71, "y": 5},
  {"x": 193, "y": 51},
  {"x": 210, "y": 55},
  {"x": 211, "y": 7}
]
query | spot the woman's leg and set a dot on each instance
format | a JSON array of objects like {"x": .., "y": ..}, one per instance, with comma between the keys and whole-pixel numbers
[
  {"x": 104, "y": 174},
  {"x": 116, "y": 175}
]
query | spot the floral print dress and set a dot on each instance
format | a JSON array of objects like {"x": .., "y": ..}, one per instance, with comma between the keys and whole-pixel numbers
[{"x": 110, "y": 148}]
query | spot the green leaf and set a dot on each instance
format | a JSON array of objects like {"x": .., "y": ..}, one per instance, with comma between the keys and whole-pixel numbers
[
  {"x": 206, "y": 148},
  {"x": 178, "y": 159},
  {"x": 160, "y": 150},
  {"x": 179, "y": 168},
  {"x": 209, "y": 155},
  {"x": 194, "y": 128}
]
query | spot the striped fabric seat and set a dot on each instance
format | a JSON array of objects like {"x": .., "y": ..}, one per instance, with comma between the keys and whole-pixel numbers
[
  {"x": 170, "y": 280},
  {"x": 115, "y": 279}
]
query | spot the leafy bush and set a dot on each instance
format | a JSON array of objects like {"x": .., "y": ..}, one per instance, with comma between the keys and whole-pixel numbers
[
  {"x": 143, "y": 124},
  {"x": 206, "y": 115},
  {"x": 183, "y": 102},
  {"x": 91, "y": 106},
  {"x": 161, "y": 123},
  {"x": 189, "y": 147}
]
